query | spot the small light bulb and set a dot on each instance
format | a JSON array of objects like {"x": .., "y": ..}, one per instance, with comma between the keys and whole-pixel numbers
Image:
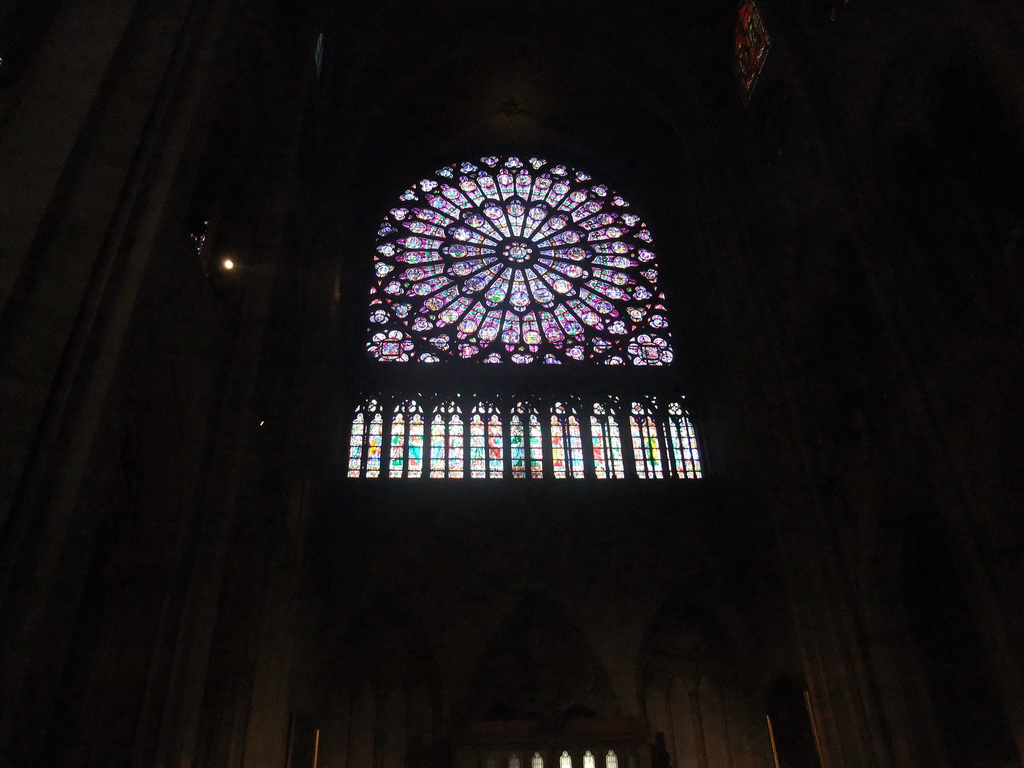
[
  {"x": 228, "y": 264},
  {"x": 261, "y": 423}
]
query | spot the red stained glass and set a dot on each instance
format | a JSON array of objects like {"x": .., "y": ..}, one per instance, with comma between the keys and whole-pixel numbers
[{"x": 750, "y": 45}]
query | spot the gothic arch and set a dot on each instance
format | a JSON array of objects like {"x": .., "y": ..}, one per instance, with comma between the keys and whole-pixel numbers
[
  {"x": 539, "y": 666},
  {"x": 695, "y": 692}
]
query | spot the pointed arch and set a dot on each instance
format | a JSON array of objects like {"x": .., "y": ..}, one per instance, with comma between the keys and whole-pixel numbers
[
  {"x": 607, "y": 443},
  {"x": 566, "y": 442},
  {"x": 486, "y": 445},
  {"x": 683, "y": 456},
  {"x": 365, "y": 441},
  {"x": 526, "y": 443},
  {"x": 406, "y": 456},
  {"x": 447, "y": 452},
  {"x": 647, "y": 446}
]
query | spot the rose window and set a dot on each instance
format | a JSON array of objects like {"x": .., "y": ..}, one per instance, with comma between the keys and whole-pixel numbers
[{"x": 503, "y": 260}]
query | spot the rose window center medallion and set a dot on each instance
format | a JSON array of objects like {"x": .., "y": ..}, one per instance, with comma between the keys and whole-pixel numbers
[
  {"x": 505, "y": 260},
  {"x": 518, "y": 251}
]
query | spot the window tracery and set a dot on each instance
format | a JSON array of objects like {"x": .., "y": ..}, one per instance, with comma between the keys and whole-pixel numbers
[
  {"x": 446, "y": 436},
  {"x": 406, "y": 459},
  {"x": 604, "y": 431},
  {"x": 682, "y": 441},
  {"x": 365, "y": 441},
  {"x": 566, "y": 442},
  {"x": 663, "y": 439},
  {"x": 646, "y": 446},
  {"x": 506, "y": 261},
  {"x": 502, "y": 260},
  {"x": 526, "y": 442},
  {"x": 486, "y": 457}
]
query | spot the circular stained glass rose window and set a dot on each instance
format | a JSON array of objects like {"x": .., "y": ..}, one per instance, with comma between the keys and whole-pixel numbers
[{"x": 505, "y": 260}]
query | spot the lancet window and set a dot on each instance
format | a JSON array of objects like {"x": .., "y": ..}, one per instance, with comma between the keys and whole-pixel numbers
[
  {"x": 647, "y": 449},
  {"x": 526, "y": 442},
  {"x": 446, "y": 441},
  {"x": 566, "y": 442},
  {"x": 429, "y": 436},
  {"x": 406, "y": 459},
  {"x": 604, "y": 432},
  {"x": 486, "y": 457},
  {"x": 365, "y": 442},
  {"x": 682, "y": 443}
]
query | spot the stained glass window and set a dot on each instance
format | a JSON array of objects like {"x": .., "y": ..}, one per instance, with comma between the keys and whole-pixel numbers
[
  {"x": 365, "y": 441},
  {"x": 526, "y": 443},
  {"x": 604, "y": 433},
  {"x": 664, "y": 440},
  {"x": 588, "y": 760},
  {"x": 646, "y": 446},
  {"x": 513, "y": 760},
  {"x": 506, "y": 260},
  {"x": 611, "y": 760},
  {"x": 537, "y": 761},
  {"x": 682, "y": 441},
  {"x": 566, "y": 442},
  {"x": 750, "y": 44},
  {"x": 406, "y": 457},
  {"x": 446, "y": 448},
  {"x": 486, "y": 456},
  {"x": 565, "y": 761}
]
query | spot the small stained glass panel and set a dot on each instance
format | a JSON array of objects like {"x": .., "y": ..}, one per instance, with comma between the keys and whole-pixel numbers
[{"x": 750, "y": 45}]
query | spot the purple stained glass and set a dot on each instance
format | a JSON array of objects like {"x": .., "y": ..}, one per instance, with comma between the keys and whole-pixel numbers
[{"x": 515, "y": 256}]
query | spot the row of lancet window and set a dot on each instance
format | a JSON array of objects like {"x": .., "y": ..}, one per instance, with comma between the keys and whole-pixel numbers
[
  {"x": 415, "y": 439},
  {"x": 564, "y": 761}
]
